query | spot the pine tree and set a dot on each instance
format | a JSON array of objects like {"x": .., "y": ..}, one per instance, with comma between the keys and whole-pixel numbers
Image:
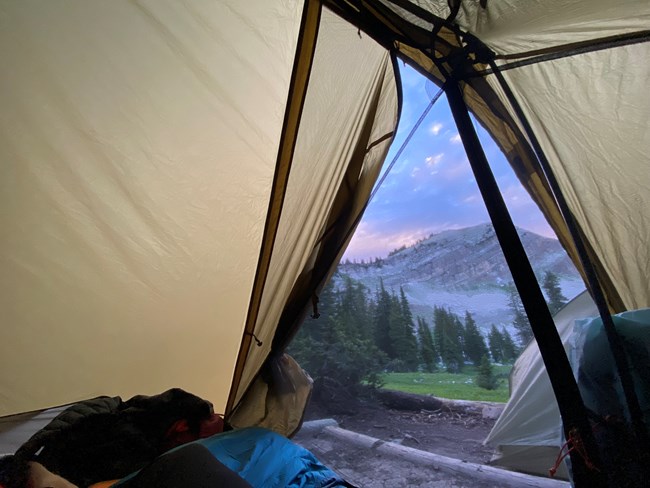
[
  {"x": 459, "y": 330},
  {"x": 314, "y": 334},
  {"x": 508, "y": 347},
  {"x": 409, "y": 346},
  {"x": 486, "y": 378},
  {"x": 520, "y": 322},
  {"x": 353, "y": 310},
  {"x": 338, "y": 346},
  {"x": 474, "y": 342},
  {"x": 495, "y": 340},
  {"x": 551, "y": 285},
  {"x": 447, "y": 339},
  {"x": 438, "y": 318},
  {"x": 381, "y": 322},
  {"x": 428, "y": 353},
  {"x": 396, "y": 333}
]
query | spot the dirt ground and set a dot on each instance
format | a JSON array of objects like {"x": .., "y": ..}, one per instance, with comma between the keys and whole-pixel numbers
[{"x": 451, "y": 434}]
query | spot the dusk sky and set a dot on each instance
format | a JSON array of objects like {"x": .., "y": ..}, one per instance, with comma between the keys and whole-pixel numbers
[{"x": 431, "y": 188}]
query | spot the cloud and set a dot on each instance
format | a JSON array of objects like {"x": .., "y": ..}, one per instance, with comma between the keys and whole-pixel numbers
[
  {"x": 473, "y": 198},
  {"x": 436, "y": 128},
  {"x": 516, "y": 197},
  {"x": 455, "y": 139},
  {"x": 433, "y": 161},
  {"x": 369, "y": 242},
  {"x": 458, "y": 170}
]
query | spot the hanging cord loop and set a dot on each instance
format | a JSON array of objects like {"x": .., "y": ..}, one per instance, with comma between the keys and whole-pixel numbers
[
  {"x": 257, "y": 341},
  {"x": 314, "y": 303},
  {"x": 574, "y": 443}
]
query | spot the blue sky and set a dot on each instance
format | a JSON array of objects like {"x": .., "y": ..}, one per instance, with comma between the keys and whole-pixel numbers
[{"x": 431, "y": 187}]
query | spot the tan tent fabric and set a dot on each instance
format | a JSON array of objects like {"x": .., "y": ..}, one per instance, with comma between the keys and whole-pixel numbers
[
  {"x": 591, "y": 117},
  {"x": 280, "y": 407},
  {"x": 512, "y": 27},
  {"x": 138, "y": 144},
  {"x": 357, "y": 74},
  {"x": 136, "y": 176}
]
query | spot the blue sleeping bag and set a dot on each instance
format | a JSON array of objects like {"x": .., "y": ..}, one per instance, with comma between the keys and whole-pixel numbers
[{"x": 267, "y": 460}]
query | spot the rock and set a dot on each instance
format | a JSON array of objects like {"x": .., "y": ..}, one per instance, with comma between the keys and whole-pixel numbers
[{"x": 492, "y": 412}]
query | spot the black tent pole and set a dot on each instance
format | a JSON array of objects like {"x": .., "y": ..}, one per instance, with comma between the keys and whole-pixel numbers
[
  {"x": 614, "y": 339},
  {"x": 587, "y": 470}
]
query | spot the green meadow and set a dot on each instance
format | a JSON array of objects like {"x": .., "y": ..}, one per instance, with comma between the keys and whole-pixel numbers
[{"x": 459, "y": 386}]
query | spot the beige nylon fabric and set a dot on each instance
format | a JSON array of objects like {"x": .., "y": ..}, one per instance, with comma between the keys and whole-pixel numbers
[
  {"x": 280, "y": 407},
  {"x": 515, "y": 26},
  {"x": 591, "y": 114},
  {"x": 512, "y": 27},
  {"x": 138, "y": 143},
  {"x": 351, "y": 100}
]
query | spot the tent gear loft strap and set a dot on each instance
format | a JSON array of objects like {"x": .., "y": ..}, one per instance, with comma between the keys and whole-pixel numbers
[
  {"x": 614, "y": 339},
  {"x": 570, "y": 403}
]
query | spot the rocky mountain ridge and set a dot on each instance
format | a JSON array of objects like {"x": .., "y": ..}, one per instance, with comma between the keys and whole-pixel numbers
[{"x": 463, "y": 270}]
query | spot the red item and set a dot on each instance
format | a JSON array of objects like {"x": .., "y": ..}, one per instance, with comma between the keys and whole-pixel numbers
[{"x": 179, "y": 433}]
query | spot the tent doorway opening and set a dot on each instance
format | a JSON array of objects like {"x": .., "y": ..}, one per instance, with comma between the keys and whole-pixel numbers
[{"x": 422, "y": 305}]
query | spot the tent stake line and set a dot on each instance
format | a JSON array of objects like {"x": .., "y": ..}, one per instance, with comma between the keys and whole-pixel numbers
[{"x": 570, "y": 403}]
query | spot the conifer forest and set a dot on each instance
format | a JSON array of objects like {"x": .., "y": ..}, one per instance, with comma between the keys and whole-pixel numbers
[{"x": 363, "y": 334}]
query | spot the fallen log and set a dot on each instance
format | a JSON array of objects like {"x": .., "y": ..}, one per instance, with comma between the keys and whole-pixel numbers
[
  {"x": 399, "y": 400},
  {"x": 494, "y": 476}
]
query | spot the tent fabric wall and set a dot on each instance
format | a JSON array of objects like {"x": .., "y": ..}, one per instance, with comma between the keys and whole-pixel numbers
[
  {"x": 139, "y": 142},
  {"x": 528, "y": 434},
  {"x": 573, "y": 105},
  {"x": 357, "y": 130}
]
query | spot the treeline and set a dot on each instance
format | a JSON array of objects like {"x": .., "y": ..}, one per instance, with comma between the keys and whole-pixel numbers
[{"x": 361, "y": 335}]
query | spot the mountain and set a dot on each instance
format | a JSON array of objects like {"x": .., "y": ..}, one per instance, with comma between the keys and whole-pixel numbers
[{"x": 462, "y": 270}]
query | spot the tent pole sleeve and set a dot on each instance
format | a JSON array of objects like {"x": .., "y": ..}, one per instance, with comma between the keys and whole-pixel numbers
[
  {"x": 614, "y": 339},
  {"x": 571, "y": 405}
]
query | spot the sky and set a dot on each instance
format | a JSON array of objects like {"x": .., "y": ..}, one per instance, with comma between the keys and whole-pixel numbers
[{"x": 431, "y": 187}]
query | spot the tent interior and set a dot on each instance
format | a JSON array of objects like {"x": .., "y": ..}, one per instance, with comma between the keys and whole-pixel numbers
[{"x": 179, "y": 179}]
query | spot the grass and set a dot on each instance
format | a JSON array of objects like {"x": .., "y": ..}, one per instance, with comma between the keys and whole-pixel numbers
[{"x": 460, "y": 386}]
